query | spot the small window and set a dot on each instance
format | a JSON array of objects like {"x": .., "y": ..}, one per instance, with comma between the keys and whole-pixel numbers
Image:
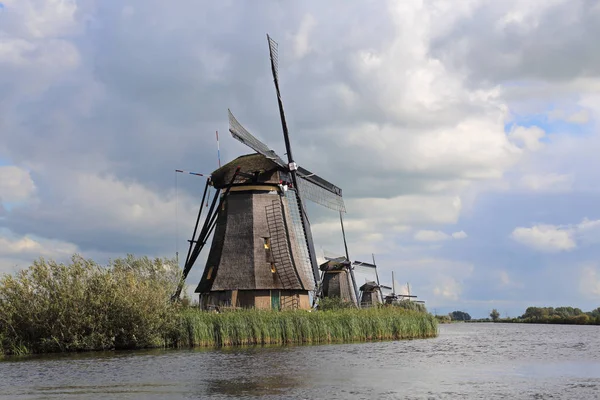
[
  {"x": 273, "y": 270},
  {"x": 210, "y": 270},
  {"x": 267, "y": 243}
]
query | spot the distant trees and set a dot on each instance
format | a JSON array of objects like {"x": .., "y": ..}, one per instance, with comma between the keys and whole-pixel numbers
[
  {"x": 460, "y": 316},
  {"x": 560, "y": 315},
  {"x": 494, "y": 315}
]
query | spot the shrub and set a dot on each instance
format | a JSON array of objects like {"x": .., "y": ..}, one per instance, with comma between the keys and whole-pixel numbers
[{"x": 84, "y": 306}]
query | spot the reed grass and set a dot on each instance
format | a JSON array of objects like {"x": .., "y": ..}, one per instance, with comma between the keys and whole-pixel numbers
[
  {"x": 257, "y": 327},
  {"x": 81, "y": 306}
]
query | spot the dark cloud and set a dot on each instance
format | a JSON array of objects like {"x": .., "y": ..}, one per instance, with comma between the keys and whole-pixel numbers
[{"x": 512, "y": 41}]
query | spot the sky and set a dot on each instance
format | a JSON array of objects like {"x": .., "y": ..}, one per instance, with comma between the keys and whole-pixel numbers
[{"x": 464, "y": 134}]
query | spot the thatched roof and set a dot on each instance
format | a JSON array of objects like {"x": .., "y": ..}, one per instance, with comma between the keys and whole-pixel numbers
[
  {"x": 337, "y": 264},
  {"x": 250, "y": 164},
  {"x": 369, "y": 286}
]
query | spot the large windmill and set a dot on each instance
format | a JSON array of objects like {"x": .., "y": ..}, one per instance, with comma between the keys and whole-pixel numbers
[{"x": 262, "y": 254}]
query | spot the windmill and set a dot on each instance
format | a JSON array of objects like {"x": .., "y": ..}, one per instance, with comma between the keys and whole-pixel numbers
[
  {"x": 336, "y": 280},
  {"x": 262, "y": 253},
  {"x": 371, "y": 291}
]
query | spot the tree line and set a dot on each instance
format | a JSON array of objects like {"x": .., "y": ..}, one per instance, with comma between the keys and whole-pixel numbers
[
  {"x": 551, "y": 315},
  {"x": 539, "y": 315}
]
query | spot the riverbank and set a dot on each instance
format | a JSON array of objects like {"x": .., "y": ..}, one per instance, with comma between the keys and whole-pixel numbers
[
  {"x": 82, "y": 306},
  {"x": 192, "y": 327}
]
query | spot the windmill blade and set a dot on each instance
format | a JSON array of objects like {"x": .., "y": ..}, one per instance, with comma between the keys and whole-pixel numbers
[
  {"x": 317, "y": 180},
  {"x": 303, "y": 261},
  {"x": 319, "y": 194},
  {"x": 274, "y": 53},
  {"x": 240, "y": 133}
]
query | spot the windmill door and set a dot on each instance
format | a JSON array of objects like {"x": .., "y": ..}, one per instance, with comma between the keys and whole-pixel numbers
[{"x": 275, "y": 299}]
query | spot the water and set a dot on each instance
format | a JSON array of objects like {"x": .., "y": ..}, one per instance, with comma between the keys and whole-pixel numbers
[{"x": 474, "y": 361}]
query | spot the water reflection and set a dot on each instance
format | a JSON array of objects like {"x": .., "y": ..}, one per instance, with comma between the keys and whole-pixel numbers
[
  {"x": 252, "y": 386},
  {"x": 466, "y": 361}
]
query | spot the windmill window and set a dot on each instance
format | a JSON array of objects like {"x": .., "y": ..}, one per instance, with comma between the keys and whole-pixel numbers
[
  {"x": 273, "y": 270},
  {"x": 267, "y": 243},
  {"x": 210, "y": 270}
]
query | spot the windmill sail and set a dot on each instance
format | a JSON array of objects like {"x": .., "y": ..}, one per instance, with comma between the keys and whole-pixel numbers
[
  {"x": 312, "y": 187},
  {"x": 240, "y": 133},
  {"x": 303, "y": 257}
]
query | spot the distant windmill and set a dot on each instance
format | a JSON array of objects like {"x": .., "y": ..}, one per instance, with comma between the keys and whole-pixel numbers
[{"x": 262, "y": 254}]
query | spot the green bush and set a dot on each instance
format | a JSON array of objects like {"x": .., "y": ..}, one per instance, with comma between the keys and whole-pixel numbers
[{"x": 84, "y": 306}]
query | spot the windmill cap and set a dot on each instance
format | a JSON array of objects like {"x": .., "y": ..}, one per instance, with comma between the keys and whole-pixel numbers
[{"x": 249, "y": 164}]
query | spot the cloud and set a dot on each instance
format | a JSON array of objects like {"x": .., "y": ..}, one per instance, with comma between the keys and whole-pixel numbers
[
  {"x": 459, "y": 235},
  {"x": 301, "y": 39},
  {"x": 553, "y": 238},
  {"x": 448, "y": 289},
  {"x": 529, "y": 138},
  {"x": 431, "y": 236},
  {"x": 548, "y": 238},
  {"x": 551, "y": 182},
  {"x": 436, "y": 236},
  {"x": 34, "y": 247},
  {"x": 589, "y": 283},
  {"x": 581, "y": 116},
  {"x": 18, "y": 252},
  {"x": 16, "y": 184}
]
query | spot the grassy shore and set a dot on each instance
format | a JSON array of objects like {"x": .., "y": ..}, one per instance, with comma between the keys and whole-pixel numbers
[
  {"x": 250, "y": 327},
  {"x": 82, "y": 306}
]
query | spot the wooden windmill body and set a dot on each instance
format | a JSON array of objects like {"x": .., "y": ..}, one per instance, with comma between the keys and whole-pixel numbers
[
  {"x": 337, "y": 281},
  {"x": 256, "y": 258}
]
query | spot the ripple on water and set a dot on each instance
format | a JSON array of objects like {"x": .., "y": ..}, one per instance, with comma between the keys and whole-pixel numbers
[{"x": 475, "y": 361}]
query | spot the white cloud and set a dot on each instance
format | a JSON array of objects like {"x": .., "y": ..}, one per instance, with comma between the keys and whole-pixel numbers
[
  {"x": 16, "y": 184},
  {"x": 581, "y": 116},
  {"x": 431, "y": 236},
  {"x": 459, "y": 235},
  {"x": 548, "y": 238},
  {"x": 437, "y": 236},
  {"x": 19, "y": 252},
  {"x": 302, "y": 38},
  {"x": 34, "y": 247},
  {"x": 410, "y": 209},
  {"x": 551, "y": 182},
  {"x": 448, "y": 288},
  {"x": 504, "y": 278},
  {"x": 529, "y": 137},
  {"x": 553, "y": 238},
  {"x": 589, "y": 282}
]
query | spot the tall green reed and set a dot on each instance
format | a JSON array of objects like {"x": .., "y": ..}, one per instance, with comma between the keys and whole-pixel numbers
[{"x": 251, "y": 327}]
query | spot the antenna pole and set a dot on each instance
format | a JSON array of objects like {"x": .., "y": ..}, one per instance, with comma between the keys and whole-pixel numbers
[
  {"x": 292, "y": 165},
  {"x": 348, "y": 258},
  {"x": 393, "y": 284},
  {"x": 218, "y": 149}
]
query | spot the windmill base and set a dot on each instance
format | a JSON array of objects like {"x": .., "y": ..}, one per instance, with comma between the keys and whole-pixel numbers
[{"x": 259, "y": 299}]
